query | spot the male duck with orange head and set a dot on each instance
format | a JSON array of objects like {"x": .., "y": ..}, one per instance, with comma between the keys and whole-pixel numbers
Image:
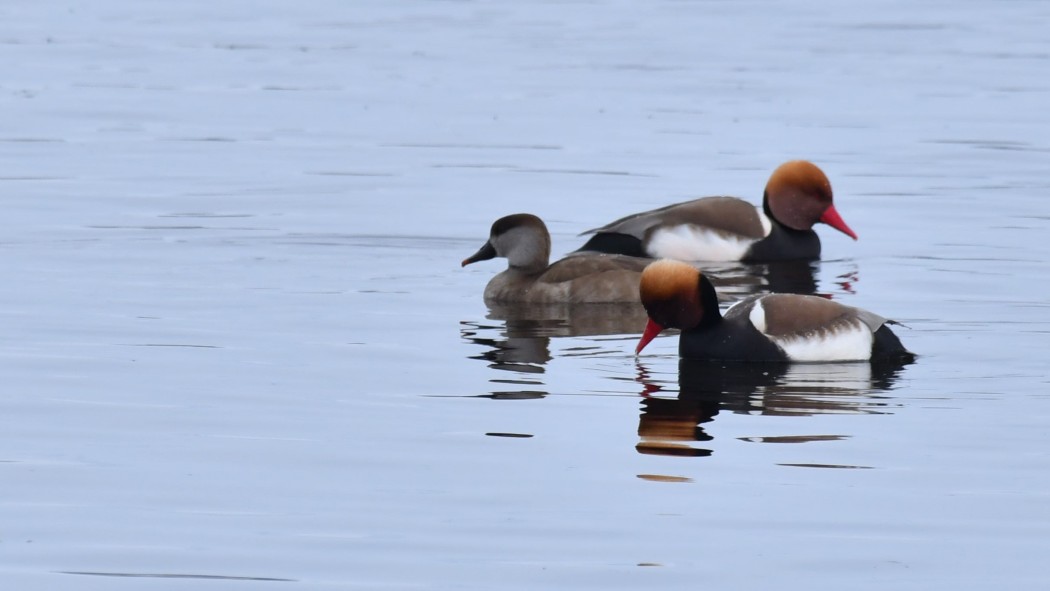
[
  {"x": 797, "y": 196},
  {"x": 761, "y": 328}
]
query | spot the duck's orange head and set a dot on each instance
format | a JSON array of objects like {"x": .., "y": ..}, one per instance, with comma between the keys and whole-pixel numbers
[
  {"x": 671, "y": 292},
  {"x": 798, "y": 195}
]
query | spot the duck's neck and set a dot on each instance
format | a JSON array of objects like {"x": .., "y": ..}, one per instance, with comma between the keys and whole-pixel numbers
[
  {"x": 772, "y": 218},
  {"x": 530, "y": 253},
  {"x": 784, "y": 243},
  {"x": 523, "y": 275},
  {"x": 532, "y": 267},
  {"x": 709, "y": 304}
]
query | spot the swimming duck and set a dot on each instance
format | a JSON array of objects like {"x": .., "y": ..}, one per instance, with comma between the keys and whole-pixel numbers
[
  {"x": 797, "y": 196},
  {"x": 524, "y": 241},
  {"x": 761, "y": 328}
]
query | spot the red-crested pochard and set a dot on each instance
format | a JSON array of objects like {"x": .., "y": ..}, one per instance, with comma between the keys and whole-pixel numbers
[
  {"x": 524, "y": 241},
  {"x": 761, "y": 328},
  {"x": 797, "y": 196}
]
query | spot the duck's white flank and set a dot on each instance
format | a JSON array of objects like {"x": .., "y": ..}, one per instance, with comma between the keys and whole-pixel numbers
[
  {"x": 687, "y": 242},
  {"x": 849, "y": 342}
]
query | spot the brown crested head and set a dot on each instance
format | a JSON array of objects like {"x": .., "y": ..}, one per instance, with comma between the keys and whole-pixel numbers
[
  {"x": 670, "y": 291},
  {"x": 676, "y": 295},
  {"x": 798, "y": 195},
  {"x": 516, "y": 220}
]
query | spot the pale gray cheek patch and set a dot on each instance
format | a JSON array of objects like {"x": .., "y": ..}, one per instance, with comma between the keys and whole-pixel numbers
[{"x": 520, "y": 246}]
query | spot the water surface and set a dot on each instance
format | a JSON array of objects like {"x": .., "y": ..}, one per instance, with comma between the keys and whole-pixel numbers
[{"x": 238, "y": 347}]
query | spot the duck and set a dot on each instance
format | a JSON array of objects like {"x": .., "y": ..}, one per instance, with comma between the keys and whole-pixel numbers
[
  {"x": 523, "y": 239},
  {"x": 797, "y": 196},
  {"x": 761, "y": 328}
]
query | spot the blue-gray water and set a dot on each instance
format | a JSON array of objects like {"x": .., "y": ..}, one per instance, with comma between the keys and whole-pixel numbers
[{"x": 237, "y": 342}]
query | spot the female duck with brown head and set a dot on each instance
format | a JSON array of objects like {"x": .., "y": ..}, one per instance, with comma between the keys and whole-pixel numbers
[
  {"x": 797, "y": 196},
  {"x": 761, "y": 328},
  {"x": 524, "y": 241}
]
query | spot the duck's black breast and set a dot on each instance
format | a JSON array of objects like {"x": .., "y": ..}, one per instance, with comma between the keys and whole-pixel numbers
[
  {"x": 783, "y": 243},
  {"x": 732, "y": 339},
  {"x": 888, "y": 347}
]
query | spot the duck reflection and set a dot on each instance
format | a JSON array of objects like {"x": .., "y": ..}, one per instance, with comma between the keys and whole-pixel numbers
[
  {"x": 675, "y": 426},
  {"x": 519, "y": 341},
  {"x": 524, "y": 354},
  {"x": 523, "y": 349},
  {"x": 736, "y": 281},
  {"x": 564, "y": 320}
]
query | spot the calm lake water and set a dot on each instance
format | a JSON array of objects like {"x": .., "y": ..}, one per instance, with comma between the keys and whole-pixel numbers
[{"x": 238, "y": 349}]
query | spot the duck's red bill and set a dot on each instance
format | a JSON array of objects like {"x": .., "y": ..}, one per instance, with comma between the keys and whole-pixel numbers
[
  {"x": 832, "y": 218},
  {"x": 651, "y": 330}
]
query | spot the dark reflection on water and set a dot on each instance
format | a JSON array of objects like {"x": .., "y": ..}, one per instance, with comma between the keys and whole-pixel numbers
[
  {"x": 519, "y": 341},
  {"x": 523, "y": 356},
  {"x": 543, "y": 321},
  {"x": 736, "y": 281},
  {"x": 673, "y": 426},
  {"x": 515, "y": 395}
]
